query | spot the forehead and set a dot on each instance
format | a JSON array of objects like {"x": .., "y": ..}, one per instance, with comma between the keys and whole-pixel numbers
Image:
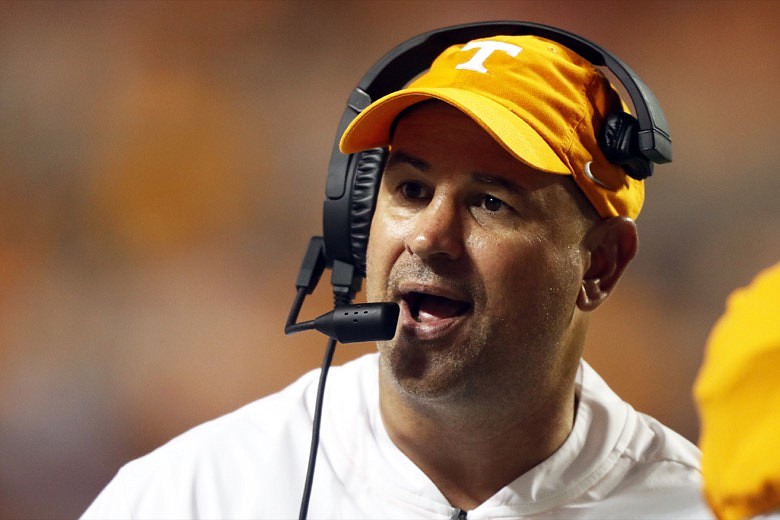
[{"x": 434, "y": 131}]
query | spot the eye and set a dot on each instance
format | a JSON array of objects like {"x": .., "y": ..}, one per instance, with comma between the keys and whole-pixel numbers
[
  {"x": 492, "y": 204},
  {"x": 413, "y": 190}
]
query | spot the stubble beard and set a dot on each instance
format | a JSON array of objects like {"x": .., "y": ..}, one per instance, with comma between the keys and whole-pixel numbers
[
  {"x": 440, "y": 370},
  {"x": 433, "y": 372},
  {"x": 485, "y": 367},
  {"x": 486, "y": 363}
]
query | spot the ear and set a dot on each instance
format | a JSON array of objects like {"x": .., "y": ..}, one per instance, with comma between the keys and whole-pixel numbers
[{"x": 610, "y": 245}]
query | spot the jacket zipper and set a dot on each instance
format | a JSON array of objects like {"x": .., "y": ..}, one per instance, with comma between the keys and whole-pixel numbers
[{"x": 458, "y": 514}]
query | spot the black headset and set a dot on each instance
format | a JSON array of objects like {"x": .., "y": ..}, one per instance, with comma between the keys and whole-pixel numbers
[{"x": 634, "y": 143}]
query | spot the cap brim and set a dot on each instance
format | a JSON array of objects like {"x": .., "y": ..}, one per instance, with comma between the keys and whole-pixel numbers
[{"x": 371, "y": 128}]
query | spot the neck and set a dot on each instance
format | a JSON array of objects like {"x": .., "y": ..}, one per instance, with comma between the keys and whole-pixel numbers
[{"x": 472, "y": 450}]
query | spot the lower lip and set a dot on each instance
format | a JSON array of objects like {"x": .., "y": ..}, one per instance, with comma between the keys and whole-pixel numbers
[{"x": 428, "y": 330}]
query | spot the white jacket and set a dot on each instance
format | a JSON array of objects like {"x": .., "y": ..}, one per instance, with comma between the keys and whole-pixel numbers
[{"x": 616, "y": 463}]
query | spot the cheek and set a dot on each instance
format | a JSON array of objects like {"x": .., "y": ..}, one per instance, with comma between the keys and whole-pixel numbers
[
  {"x": 385, "y": 245},
  {"x": 376, "y": 273},
  {"x": 528, "y": 270}
]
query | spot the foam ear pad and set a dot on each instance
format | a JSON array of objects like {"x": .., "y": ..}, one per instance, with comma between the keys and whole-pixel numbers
[
  {"x": 362, "y": 201},
  {"x": 619, "y": 141}
]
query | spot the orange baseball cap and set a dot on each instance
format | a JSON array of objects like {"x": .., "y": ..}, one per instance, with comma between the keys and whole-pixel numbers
[{"x": 540, "y": 100}]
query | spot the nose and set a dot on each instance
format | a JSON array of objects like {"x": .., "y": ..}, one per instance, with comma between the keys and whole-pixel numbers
[{"x": 437, "y": 231}]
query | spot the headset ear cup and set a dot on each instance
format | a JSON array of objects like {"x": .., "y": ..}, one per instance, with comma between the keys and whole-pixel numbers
[
  {"x": 619, "y": 141},
  {"x": 365, "y": 188}
]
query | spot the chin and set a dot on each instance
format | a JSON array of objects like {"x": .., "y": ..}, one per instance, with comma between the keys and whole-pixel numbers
[{"x": 426, "y": 373}]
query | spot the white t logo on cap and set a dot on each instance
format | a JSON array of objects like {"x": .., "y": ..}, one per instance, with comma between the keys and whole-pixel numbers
[{"x": 486, "y": 48}]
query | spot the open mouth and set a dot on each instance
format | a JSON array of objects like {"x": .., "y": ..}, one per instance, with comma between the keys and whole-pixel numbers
[{"x": 426, "y": 308}]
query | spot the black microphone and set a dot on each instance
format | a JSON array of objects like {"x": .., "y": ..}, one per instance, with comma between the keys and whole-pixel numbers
[{"x": 355, "y": 323}]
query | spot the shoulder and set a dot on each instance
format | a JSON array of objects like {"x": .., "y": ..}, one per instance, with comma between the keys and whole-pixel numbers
[
  {"x": 655, "y": 470},
  {"x": 634, "y": 435},
  {"x": 229, "y": 466},
  {"x": 203, "y": 468}
]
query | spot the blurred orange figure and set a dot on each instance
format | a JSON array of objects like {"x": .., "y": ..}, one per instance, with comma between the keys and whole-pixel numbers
[{"x": 738, "y": 394}]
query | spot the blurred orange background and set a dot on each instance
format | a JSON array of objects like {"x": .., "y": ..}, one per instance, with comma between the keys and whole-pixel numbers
[{"x": 162, "y": 167}]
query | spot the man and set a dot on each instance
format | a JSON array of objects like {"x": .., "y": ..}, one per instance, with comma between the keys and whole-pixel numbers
[{"x": 499, "y": 227}]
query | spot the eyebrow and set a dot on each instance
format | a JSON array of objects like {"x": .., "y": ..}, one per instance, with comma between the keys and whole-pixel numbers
[
  {"x": 399, "y": 157},
  {"x": 485, "y": 178}
]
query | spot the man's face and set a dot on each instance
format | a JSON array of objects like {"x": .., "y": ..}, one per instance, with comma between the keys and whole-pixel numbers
[{"x": 484, "y": 256}]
